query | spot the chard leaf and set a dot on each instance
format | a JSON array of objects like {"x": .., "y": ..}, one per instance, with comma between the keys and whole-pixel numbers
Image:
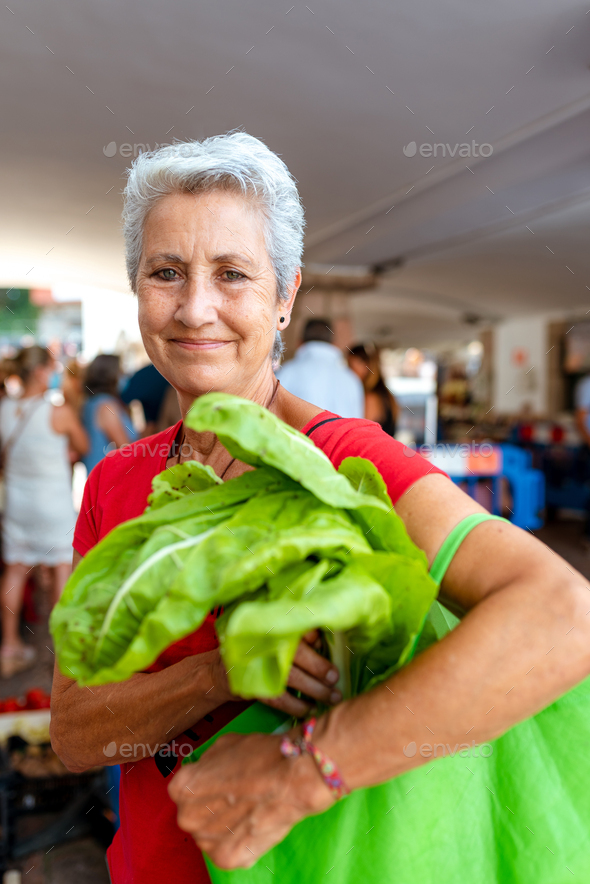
[
  {"x": 364, "y": 476},
  {"x": 285, "y": 548},
  {"x": 140, "y": 592},
  {"x": 230, "y": 562},
  {"x": 77, "y": 619},
  {"x": 412, "y": 591},
  {"x": 383, "y": 530},
  {"x": 176, "y": 482},
  {"x": 264, "y": 536},
  {"x": 259, "y": 638},
  {"x": 256, "y": 437}
]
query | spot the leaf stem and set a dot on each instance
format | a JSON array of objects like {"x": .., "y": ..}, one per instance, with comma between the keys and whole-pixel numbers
[{"x": 340, "y": 656}]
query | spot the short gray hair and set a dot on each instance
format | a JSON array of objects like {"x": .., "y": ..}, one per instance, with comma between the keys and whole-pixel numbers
[{"x": 237, "y": 162}]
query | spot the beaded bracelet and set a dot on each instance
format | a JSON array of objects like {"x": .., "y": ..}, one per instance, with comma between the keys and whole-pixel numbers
[{"x": 328, "y": 770}]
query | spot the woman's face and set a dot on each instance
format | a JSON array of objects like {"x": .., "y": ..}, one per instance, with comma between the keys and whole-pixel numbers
[
  {"x": 208, "y": 307},
  {"x": 42, "y": 374}
]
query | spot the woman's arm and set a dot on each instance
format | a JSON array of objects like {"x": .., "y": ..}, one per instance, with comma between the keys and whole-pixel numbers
[
  {"x": 153, "y": 708},
  {"x": 65, "y": 421},
  {"x": 111, "y": 424},
  {"x": 147, "y": 709},
  {"x": 524, "y": 641}
]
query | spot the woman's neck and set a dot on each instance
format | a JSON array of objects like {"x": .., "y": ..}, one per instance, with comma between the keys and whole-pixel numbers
[{"x": 205, "y": 447}]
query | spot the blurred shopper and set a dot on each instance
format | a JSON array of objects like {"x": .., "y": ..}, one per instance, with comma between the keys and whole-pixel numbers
[
  {"x": 318, "y": 373},
  {"x": 149, "y": 387},
  {"x": 38, "y": 512},
  {"x": 582, "y": 402},
  {"x": 107, "y": 423},
  {"x": 169, "y": 413},
  {"x": 380, "y": 404},
  {"x": 5, "y": 370},
  {"x": 72, "y": 385}
]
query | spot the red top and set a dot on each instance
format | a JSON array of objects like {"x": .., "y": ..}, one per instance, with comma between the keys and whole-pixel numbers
[{"x": 149, "y": 848}]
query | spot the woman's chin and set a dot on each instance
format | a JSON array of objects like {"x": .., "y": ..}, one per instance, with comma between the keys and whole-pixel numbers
[{"x": 199, "y": 383}]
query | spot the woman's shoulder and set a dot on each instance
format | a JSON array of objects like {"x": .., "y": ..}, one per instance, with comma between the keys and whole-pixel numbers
[
  {"x": 93, "y": 403},
  {"x": 145, "y": 456},
  {"x": 118, "y": 487},
  {"x": 105, "y": 399},
  {"x": 340, "y": 438}
]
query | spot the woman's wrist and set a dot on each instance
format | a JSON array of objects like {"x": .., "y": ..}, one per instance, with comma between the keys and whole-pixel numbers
[
  {"x": 319, "y": 777},
  {"x": 330, "y": 737},
  {"x": 309, "y": 793},
  {"x": 206, "y": 682}
]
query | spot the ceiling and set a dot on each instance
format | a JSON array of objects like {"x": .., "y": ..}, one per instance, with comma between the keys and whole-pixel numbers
[{"x": 338, "y": 89}]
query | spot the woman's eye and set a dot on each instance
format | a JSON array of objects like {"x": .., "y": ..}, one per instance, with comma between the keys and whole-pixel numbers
[
  {"x": 233, "y": 275},
  {"x": 168, "y": 273}
]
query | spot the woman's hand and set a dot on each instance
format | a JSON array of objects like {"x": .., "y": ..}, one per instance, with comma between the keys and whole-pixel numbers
[
  {"x": 313, "y": 675},
  {"x": 242, "y": 797}
]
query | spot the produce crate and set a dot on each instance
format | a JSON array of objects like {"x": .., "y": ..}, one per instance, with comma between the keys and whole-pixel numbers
[{"x": 67, "y": 798}]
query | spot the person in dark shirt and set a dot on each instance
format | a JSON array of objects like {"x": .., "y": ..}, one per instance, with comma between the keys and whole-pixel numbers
[{"x": 149, "y": 387}]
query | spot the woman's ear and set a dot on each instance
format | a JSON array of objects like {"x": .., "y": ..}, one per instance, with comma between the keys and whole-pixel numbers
[{"x": 285, "y": 307}]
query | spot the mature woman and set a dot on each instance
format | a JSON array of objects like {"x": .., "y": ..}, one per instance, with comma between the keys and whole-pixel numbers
[
  {"x": 214, "y": 240},
  {"x": 39, "y": 514},
  {"x": 105, "y": 419}
]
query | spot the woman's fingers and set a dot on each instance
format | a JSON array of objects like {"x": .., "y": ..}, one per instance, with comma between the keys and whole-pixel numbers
[
  {"x": 295, "y": 706},
  {"x": 311, "y": 674},
  {"x": 311, "y": 687},
  {"x": 240, "y": 800},
  {"x": 317, "y": 666}
]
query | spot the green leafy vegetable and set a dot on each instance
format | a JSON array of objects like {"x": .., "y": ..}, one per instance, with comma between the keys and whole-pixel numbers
[
  {"x": 290, "y": 546},
  {"x": 384, "y": 530},
  {"x": 257, "y": 437},
  {"x": 173, "y": 484},
  {"x": 259, "y": 638}
]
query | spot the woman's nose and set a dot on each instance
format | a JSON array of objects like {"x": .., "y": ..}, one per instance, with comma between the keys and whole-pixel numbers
[{"x": 199, "y": 303}]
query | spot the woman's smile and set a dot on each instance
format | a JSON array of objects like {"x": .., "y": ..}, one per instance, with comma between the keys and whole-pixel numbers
[{"x": 187, "y": 344}]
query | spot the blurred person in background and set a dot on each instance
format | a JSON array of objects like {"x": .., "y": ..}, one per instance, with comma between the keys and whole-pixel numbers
[
  {"x": 318, "y": 373},
  {"x": 72, "y": 385},
  {"x": 5, "y": 370},
  {"x": 157, "y": 398},
  {"x": 380, "y": 403},
  {"x": 169, "y": 413},
  {"x": 107, "y": 423},
  {"x": 38, "y": 518},
  {"x": 582, "y": 403}
]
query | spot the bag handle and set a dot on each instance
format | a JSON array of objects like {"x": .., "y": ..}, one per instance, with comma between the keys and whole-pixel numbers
[{"x": 453, "y": 541}]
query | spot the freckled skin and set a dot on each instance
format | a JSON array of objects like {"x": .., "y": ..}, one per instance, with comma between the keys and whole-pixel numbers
[{"x": 220, "y": 288}]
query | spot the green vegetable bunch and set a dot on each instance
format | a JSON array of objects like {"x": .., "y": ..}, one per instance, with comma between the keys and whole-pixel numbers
[{"x": 287, "y": 547}]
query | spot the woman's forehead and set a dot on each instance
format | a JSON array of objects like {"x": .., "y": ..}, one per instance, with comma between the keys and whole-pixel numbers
[{"x": 220, "y": 221}]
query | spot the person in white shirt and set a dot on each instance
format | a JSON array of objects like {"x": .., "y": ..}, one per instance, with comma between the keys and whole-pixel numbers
[{"x": 318, "y": 373}]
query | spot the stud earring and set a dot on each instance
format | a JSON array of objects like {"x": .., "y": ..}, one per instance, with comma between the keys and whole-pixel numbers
[{"x": 282, "y": 318}]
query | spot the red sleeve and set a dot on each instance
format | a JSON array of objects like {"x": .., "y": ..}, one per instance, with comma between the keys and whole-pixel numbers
[
  {"x": 118, "y": 487},
  {"x": 340, "y": 438},
  {"x": 86, "y": 533}
]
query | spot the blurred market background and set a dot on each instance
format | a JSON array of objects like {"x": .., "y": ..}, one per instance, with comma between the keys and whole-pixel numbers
[{"x": 443, "y": 155}]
